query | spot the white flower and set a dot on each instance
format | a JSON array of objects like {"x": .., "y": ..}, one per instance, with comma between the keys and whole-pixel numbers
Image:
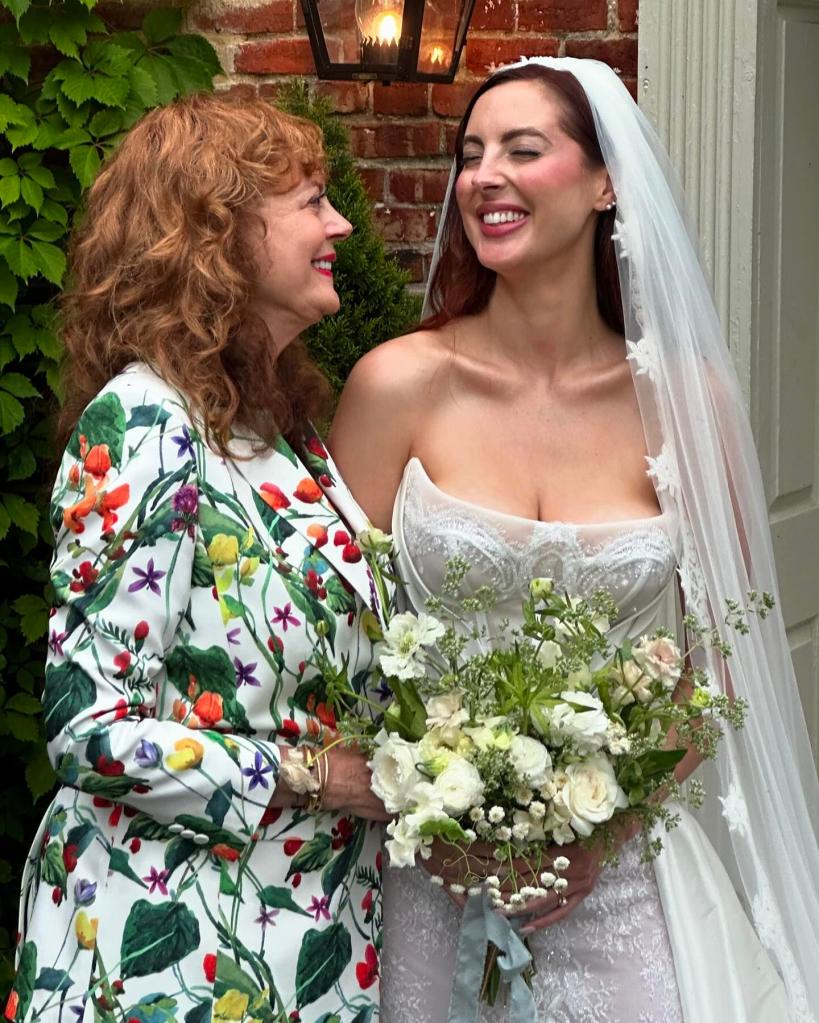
[
  {"x": 516, "y": 899},
  {"x": 496, "y": 814},
  {"x": 563, "y": 834},
  {"x": 436, "y": 879},
  {"x": 426, "y": 803},
  {"x": 460, "y": 785},
  {"x": 434, "y": 753},
  {"x": 524, "y": 796},
  {"x": 660, "y": 659},
  {"x": 402, "y": 844},
  {"x": 445, "y": 714},
  {"x": 474, "y": 890},
  {"x": 531, "y": 760},
  {"x": 561, "y": 863},
  {"x": 404, "y": 637},
  {"x": 537, "y": 809},
  {"x": 375, "y": 541},
  {"x": 541, "y": 588},
  {"x": 580, "y": 678},
  {"x": 582, "y": 719},
  {"x": 591, "y": 794},
  {"x": 617, "y": 740},
  {"x": 476, "y": 814},
  {"x": 493, "y": 881},
  {"x": 503, "y": 834},
  {"x": 491, "y": 733},
  {"x": 528, "y": 892},
  {"x": 549, "y": 653},
  {"x": 534, "y": 827},
  {"x": 457, "y": 889},
  {"x": 561, "y": 884},
  {"x": 547, "y": 879},
  {"x": 483, "y": 827},
  {"x": 520, "y": 831},
  {"x": 471, "y": 836},
  {"x": 394, "y": 773}
]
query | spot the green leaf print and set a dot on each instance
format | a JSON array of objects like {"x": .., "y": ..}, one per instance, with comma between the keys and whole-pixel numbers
[
  {"x": 53, "y": 867},
  {"x": 313, "y": 855},
  {"x": 306, "y": 602},
  {"x": 201, "y": 825},
  {"x": 213, "y": 522},
  {"x": 200, "y": 1013},
  {"x": 202, "y": 574},
  {"x": 339, "y": 600},
  {"x": 69, "y": 690},
  {"x": 219, "y": 803},
  {"x": 364, "y": 1015},
  {"x": 24, "y": 981},
  {"x": 109, "y": 786},
  {"x": 120, "y": 862},
  {"x": 323, "y": 957},
  {"x": 337, "y": 869},
  {"x": 103, "y": 422},
  {"x": 144, "y": 826},
  {"x": 214, "y": 672},
  {"x": 147, "y": 415},
  {"x": 82, "y": 835},
  {"x": 280, "y": 898},
  {"x": 277, "y": 526},
  {"x": 153, "y": 1009},
  {"x": 156, "y": 937},
  {"x": 177, "y": 851},
  {"x": 53, "y": 980},
  {"x": 231, "y": 977}
]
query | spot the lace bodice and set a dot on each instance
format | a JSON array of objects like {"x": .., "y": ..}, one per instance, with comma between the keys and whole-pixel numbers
[{"x": 610, "y": 962}]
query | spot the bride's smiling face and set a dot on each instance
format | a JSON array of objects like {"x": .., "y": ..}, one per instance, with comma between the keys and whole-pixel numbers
[{"x": 526, "y": 193}]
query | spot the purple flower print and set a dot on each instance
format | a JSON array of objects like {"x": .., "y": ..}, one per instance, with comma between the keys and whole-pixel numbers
[
  {"x": 150, "y": 578},
  {"x": 319, "y": 907},
  {"x": 257, "y": 772},
  {"x": 284, "y": 616},
  {"x": 85, "y": 892},
  {"x": 233, "y": 635},
  {"x": 147, "y": 754},
  {"x": 186, "y": 504},
  {"x": 184, "y": 444},
  {"x": 55, "y": 642},
  {"x": 157, "y": 879},
  {"x": 267, "y": 916},
  {"x": 244, "y": 673}
]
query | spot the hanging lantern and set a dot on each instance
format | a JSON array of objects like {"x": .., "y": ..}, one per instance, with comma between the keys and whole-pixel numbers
[{"x": 388, "y": 40}]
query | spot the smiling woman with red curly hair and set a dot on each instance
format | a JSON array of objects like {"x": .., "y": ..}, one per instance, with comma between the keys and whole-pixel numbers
[{"x": 197, "y": 593}]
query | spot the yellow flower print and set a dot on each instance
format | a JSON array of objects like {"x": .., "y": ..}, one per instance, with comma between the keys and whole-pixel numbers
[
  {"x": 85, "y": 929},
  {"x": 249, "y": 539},
  {"x": 223, "y": 550},
  {"x": 231, "y": 1006},
  {"x": 189, "y": 754},
  {"x": 371, "y": 626},
  {"x": 247, "y": 568}
]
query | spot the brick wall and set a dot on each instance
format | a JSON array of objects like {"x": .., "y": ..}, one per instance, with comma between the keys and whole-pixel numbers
[{"x": 402, "y": 134}]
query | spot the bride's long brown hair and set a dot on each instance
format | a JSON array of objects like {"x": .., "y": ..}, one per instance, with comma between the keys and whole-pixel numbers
[
  {"x": 160, "y": 272},
  {"x": 460, "y": 285}
]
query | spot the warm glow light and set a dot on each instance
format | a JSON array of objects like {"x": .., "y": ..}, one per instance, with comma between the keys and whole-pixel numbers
[
  {"x": 437, "y": 55},
  {"x": 388, "y": 29}
]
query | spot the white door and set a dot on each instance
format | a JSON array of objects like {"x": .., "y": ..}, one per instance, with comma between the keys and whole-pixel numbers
[
  {"x": 785, "y": 351},
  {"x": 732, "y": 87}
]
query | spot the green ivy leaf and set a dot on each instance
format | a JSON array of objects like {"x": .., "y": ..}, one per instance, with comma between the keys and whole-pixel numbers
[
  {"x": 31, "y": 192},
  {"x": 105, "y": 122},
  {"x": 8, "y": 286},
  {"x": 40, "y": 775},
  {"x": 11, "y": 415},
  {"x": 85, "y": 162},
  {"x": 198, "y": 49},
  {"x": 143, "y": 86},
  {"x": 19, "y": 256},
  {"x": 161, "y": 73},
  {"x": 9, "y": 190},
  {"x": 156, "y": 937},
  {"x": 33, "y": 611},
  {"x": 69, "y": 690},
  {"x": 22, "y": 463},
  {"x": 25, "y": 130},
  {"x": 15, "y": 59},
  {"x": 51, "y": 261},
  {"x": 18, "y": 385},
  {"x": 323, "y": 957},
  {"x": 5, "y": 518},
  {"x": 161, "y": 25},
  {"x": 111, "y": 91},
  {"x": 17, "y": 7},
  {"x": 10, "y": 113},
  {"x": 54, "y": 212}
]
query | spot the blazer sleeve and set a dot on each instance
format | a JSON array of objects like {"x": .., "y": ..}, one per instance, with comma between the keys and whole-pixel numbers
[{"x": 124, "y": 512}]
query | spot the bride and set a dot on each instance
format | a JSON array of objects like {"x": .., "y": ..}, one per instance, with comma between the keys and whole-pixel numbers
[{"x": 571, "y": 341}]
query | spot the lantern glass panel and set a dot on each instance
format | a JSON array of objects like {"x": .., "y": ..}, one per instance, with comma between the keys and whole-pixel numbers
[
  {"x": 380, "y": 23},
  {"x": 338, "y": 25},
  {"x": 438, "y": 35}
]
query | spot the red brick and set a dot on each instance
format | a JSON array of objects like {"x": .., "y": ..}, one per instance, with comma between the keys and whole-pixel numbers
[
  {"x": 240, "y": 91},
  {"x": 452, "y": 100},
  {"x": 401, "y": 98},
  {"x": 419, "y": 185},
  {"x": 394, "y": 139},
  {"x": 119, "y": 15},
  {"x": 627, "y": 13},
  {"x": 270, "y": 90},
  {"x": 450, "y": 133},
  {"x": 374, "y": 181},
  {"x": 485, "y": 53},
  {"x": 275, "y": 16},
  {"x": 493, "y": 14},
  {"x": 406, "y": 223},
  {"x": 276, "y": 57},
  {"x": 620, "y": 54},
  {"x": 562, "y": 15},
  {"x": 346, "y": 97},
  {"x": 412, "y": 262}
]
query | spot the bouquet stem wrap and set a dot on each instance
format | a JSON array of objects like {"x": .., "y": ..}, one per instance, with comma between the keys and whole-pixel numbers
[{"x": 480, "y": 925}]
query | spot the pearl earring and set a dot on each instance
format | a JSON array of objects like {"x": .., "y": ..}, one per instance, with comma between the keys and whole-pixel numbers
[{"x": 609, "y": 205}]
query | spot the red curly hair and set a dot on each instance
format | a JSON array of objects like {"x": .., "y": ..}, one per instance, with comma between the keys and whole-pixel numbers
[{"x": 160, "y": 271}]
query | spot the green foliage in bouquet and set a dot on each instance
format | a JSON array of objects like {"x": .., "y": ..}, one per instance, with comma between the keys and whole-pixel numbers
[
  {"x": 70, "y": 88},
  {"x": 375, "y": 304}
]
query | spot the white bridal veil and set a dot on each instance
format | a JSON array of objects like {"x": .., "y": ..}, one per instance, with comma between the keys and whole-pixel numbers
[{"x": 763, "y": 807}]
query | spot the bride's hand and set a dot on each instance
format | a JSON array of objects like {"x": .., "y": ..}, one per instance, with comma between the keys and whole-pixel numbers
[{"x": 454, "y": 864}]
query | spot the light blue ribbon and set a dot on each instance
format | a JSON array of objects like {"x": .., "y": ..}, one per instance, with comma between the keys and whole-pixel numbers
[{"x": 480, "y": 925}]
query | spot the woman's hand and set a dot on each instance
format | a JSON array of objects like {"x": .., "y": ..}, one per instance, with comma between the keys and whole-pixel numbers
[
  {"x": 348, "y": 785},
  {"x": 454, "y": 863}
]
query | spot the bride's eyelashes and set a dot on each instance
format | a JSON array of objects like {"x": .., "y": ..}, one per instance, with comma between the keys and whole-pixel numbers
[{"x": 470, "y": 159}]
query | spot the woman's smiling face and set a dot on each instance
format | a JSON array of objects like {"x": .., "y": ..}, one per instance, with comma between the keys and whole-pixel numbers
[
  {"x": 526, "y": 191},
  {"x": 294, "y": 257}
]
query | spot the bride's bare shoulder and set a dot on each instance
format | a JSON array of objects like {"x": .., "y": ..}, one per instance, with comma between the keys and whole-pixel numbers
[{"x": 404, "y": 367}]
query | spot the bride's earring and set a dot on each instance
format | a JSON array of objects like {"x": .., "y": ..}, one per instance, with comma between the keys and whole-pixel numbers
[{"x": 609, "y": 205}]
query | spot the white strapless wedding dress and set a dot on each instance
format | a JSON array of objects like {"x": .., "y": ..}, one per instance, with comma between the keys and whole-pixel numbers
[{"x": 663, "y": 943}]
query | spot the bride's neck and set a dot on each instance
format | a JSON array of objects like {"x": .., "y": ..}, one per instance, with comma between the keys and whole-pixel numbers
[{"x": 548, "y": 325}]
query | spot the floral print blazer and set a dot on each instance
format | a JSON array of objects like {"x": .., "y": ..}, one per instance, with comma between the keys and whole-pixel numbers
[{"x": 193, "y": 595}]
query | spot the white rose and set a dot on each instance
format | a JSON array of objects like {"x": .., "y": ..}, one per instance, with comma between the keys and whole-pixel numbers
[
  {"x": 531, "y": 760},
  {"x": 591, "y": 794},
  {"x": 394, "y": 772},
  {"x": 582, "y": 719},
  {"x": 445, "y": 714},
  {"x": 460, "y": 787},
  {"x": 433, "y": 753},
  {"x": 549, "y": 653},
  {"x": 375, "y": 541},
  {"x": 403, "y": 641},
  {"x": 634, "y": 684},
  {"x": 402, "y": 845},
  {"x": 427, "y": 805},
  {"x": 660, "y": 658}
]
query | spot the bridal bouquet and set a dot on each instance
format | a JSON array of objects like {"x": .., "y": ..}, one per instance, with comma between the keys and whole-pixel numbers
[{"x": 531, "y": 738}]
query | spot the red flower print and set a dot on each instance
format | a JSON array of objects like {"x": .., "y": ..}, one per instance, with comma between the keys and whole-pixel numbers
[
  {"x": 340, "y": 538},
  {"x": 289, "y": 729},
  {"x": 318, "y": 534},
  {"x": 122, "y": 662},
  {"x": 136, "y": 845},
  {"x": 11, "y": 1005},
  {"x": 141, "y": 631},
  {"x": 56, "y": 896},
  {"x": 367, "y": 902},
  {"x": 275, "y": 645},
  {"x": 107, "y": 504},
  {"x": 114, "y": 815},
  {"x": 295, "y": 880},
  {"x": 325, "y": 480},
  {"x": 292, "y": 846},
  {"x": 70, "y": 853},
  {"x": 98, "y": 461},
  {"x": 208, "y": 708},
  {"x": 274, "y": 496},
  {"x": 109, "y": 768},
  {"x": 270, "y": 816},
  {"x": 73, "y": 516},
  {"x": 326, "y": 716},
  {"x": 315, "y": 447},
  {"x": 84, "y": 575},
  {"x": 343, "y": 833},
  {"x": 225, "y": 852},
  {"x": 351, "y": 553},
  {"x": 378, "y": 861},
  {"x": 209, "y": 966},
  {"x": 308, "y": 490},
  {"x": 367, "y": 972}
]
